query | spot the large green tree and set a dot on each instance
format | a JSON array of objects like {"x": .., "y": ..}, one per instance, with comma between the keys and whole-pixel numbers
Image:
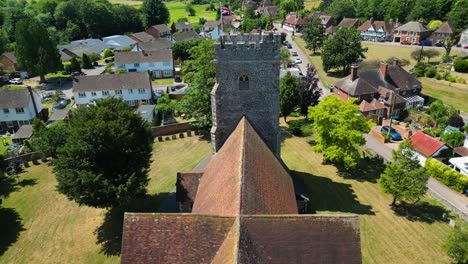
[
  {"x": 342, "y": 49},
  {"x": 457, "y": 244},
  {"x": 284, "y": 56},
  {"x": 342, "y": 8},
  {"x": 339, "y": 125},
  {"x": 154, "y": 12},
  {"x": 200, "y": 72},
  {"x": 458, "y": 15},
  {"x": 314, "y": 35},
  {"x": 309, "y": 91},
  {"x": 165, "y": 105},
  {"x": 453, "y": 139},
  {"x": 35, "y": 51},
  {"x": 106, "y": 158},
  {"x": 289, "y": 94},
  {"x": 49, "y": 140},
  {"x": 404, "y": 178}
]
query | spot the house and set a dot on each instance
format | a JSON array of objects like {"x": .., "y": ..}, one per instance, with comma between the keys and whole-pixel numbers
[
  {"x": 249, "y": 3},
  {"x": 159, "y": 31},
  {"x": 84, "y": 46},
  {"x": 77, "y": 52},
  {"x": 181, "y": 27},
  {"x": 411, "y": 33},
  {"x": 147, "y": 113},
  {"x": 446, "y": 30},
  {"x": 464, "y": 38},
  {"x": 212, "y": 29},
  {"x": 118, "y": 42},
  {"x": 154, "y": 45},
  {"x": 8, "y": 62},
  {"x": 425, "y": 146},
  {"x": 159, "y": 63},
  {"x": 293, "y": 22},
  {"x": 372, "y": 30},
  {"x": 18, "y": 108},
  {"x": 388, "y": 84},
  {"x": 460, "y": 164},
  {"x": 133, "y": 87},
  {"x": 65, "y": 57},
  {"x": 184, "y": 36},
  {"x": 348, "y": 22},
  {"x": 266, "y": 3},
  {"x": 25, "y": 132},
  {"x": 141, "y": 37},
  {"x": 269, "y": 10},
  {"x": 326, "y": 20}
]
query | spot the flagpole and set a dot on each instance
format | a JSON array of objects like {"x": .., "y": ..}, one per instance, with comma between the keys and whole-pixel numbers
[{"x": 221, "y": 13}]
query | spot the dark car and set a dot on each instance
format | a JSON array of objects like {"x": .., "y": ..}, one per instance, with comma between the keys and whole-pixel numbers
[
  {"x": 394, "y": 135},
  {"x": 61, "y": 104},
  {"x": 425, "y": 43},
  {"x": 288, "y": 46},
  {"x": 439, "y": 44}
]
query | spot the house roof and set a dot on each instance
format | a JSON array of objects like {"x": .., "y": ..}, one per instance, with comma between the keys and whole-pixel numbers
[
  {"x": 142, "y": 36},
  {"x": 403, "y": 79},
  {"x": 59, "y": 114},
  {"x": 294, "y": 19},
  {"x": 161, "y": 27},
  {"x": 425, "y": 144},
  {"x": 384, "y": 25},
  {"x": 156, "y": 44},
  {"x": 10, "y": 56},
  {"x": 413, "y": 26},
  {"x": 462, "y": 151},
  {"x": 372, "y": 106},
  {"x": 187, "y": 35},
  {"x": 140, "y": 56},
  {"x": 245, "y": 184},
  {"x": 349, "y": 22},
  {"x": 268, "y": 9},
  {"x": 119, "y": 41},
  {"x": 131, "y": 80},
  {"x": 182, "y": 25},
  {"x": 146, "y": 112},
  {"x": 446, "y": 27},
  {"x": 211, "y": 24},
  {"x": 187, "y": 186},
  {"x": 330, "y": 30},
  {"x": 14, "y": 98},
  {"x": 64, "y": 56},
  {"x": 78, "y": 51},
  {"x": 24, "y": 132},
  {"x": 387, "y": 95},
  {"x": 89, "y": 45}
]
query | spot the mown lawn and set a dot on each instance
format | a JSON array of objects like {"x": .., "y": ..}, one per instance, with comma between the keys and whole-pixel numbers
[
  {"x": 309, "y": 4},
  {"x": 39, "y": 225},
  {"x": 454, "y": 94},
  {"x": 163, "y": 81},
  {"x": 385, "y": 236}
]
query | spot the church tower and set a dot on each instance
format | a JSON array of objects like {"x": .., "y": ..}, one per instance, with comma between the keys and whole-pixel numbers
[{"x": 247, "y": 84}]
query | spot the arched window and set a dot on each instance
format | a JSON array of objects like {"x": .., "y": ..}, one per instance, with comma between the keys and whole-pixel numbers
[{"x": 244, "y": 82}]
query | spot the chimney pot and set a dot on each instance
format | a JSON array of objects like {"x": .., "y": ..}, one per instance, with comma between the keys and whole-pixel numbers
[
  {"x": 354, "y": 72},
  {"x": 396, "y": 62}
]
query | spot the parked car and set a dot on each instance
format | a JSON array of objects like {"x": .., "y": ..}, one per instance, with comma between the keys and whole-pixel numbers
[
  {"x": 394, "y": 135},
  {"x": 294, "y": 53},
  {"x": 298, "y": 60},
  {"x": 61, "y": 104},
  {"x": 288, "y": 45},
  {"x": 439, "y": 44},
  {"x": 405, "y": 42},
  {"x": 426, "y": 42},
  {"x": 16, "y": 81},
  {"x": 286, "y": 42}
]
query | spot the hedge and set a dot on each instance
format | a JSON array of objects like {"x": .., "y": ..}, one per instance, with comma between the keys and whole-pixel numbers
[
  {"x": 460, "y": 65},
  {"x": 446, "y": 175}
]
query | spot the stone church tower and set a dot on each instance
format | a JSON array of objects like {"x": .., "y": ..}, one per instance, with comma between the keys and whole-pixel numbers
[{"x": 247, "y": 84}]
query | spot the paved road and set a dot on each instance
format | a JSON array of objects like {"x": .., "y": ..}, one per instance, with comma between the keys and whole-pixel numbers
[
  {"x": 441, "y": 49},
  {"x": 453, "y": 200}
]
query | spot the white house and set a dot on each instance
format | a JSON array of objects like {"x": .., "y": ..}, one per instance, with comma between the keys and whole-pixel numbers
[
  {"x": 212, "y": 29},
  {"x": 159, "y": 62},
  {"x": 425, "y": 146},
  {"x": 118, "y": 42},
  {"x": 460, "y": 164},
  {"x": 376, "y": 30},
  {"x": 464, "y": 38},
  {"x": 17, "y": 108},
  {"x": 134, "y": 87}
]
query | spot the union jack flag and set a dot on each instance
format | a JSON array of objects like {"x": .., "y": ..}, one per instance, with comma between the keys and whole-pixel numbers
[{"x": 226, "y": 12}]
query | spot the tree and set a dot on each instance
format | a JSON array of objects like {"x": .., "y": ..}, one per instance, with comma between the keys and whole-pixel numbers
[
  {"x": 434, "y": 24},
  {"x": 3, "y": 40},
  {"x": 342, "y": 49},
  {"x": 457, "y": 16},
  {"x": 448, "y": 43},
  {"x": 438, "y": 110},
  {"x": 340, "y": 9},
  {"x": 284, "y": 56},
  {"x": 404, "y": 178},
  {"x": 288, "y": 6},
  {"x": 106, "y": 158},
  {"x": 309, "y": 91},
  {"x": 289, "y": 94},
  {"x": 200, "y": 72},
  {"x": 339, "y": 125},
  {"x": 107, "y": 53},
  {"x": 74, "y": 65},
  {"x": 50, "y": 139},
  {"x": 453, "y": 139},
  {"x": 431, "y": 53},
  {"x": 181, "y": 49},
  {"x": 154, "y": 12},
  {"x": 86, "y": 62},
  {"x": 457, "y": 244},
  {"x": 39, "y": 56},
  {"x": 456, "y": 120},
  {"x": 423, "y": 9},
  {"x": 249, "y": 12},
  {"x": 127, "y": 18},
  {"x": 165, "y": 105},
  {"x": 314, "y": 35},
  {"x": 190, "y": 10}
]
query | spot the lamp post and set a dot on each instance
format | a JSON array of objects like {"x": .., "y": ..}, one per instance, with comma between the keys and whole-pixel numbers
[{"x": 391, "y": 113}]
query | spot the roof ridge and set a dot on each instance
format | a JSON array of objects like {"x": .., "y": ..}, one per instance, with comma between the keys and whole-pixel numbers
[{"x": 242, "y": 165}]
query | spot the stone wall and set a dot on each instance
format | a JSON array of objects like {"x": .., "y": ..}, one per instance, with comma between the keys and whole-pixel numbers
[
  {"x": 172, "y": 129},
  {"x": 247, "y": 84}
]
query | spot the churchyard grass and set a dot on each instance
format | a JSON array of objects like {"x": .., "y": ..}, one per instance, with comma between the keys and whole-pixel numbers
[{"x": 51, "y": 229}]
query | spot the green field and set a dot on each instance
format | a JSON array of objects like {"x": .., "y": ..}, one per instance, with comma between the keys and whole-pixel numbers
[{"x": 309, "y": 4}]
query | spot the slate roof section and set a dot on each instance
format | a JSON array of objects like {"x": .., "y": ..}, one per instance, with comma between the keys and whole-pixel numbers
[
  {"x": 59, "y": 115},
  {"x": 130, "y": 57},
  {"x": 24, "y": 132},
  {"x": 403, "y": 79},
  {"x": 154, "y": 45},
  {"x": 131, "y": 80},
  {"x": 187, "y": 35},
  {"x": 349, "y": 22},
  {"x": 146, "y": 112},
  {"x": 182, "y": 26},
  {"x": 245, "y": 184},
  {"x": 142, "y": 37},
  {"x": 446, "y": 28},
  {"x": 14, "y": 98},
  {"x": 387, "y": 95},
  {"x": 425, "y": 144},
  {"x": 87, "y": 46},
  {"x": 161, "y": 27},
  {"x": 119, "y": 41},
  {"x": 414, "y": 26}
]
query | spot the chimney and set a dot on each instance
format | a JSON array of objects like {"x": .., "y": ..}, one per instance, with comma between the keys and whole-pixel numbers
[
  {"x": 383, "y": 69},
  {"x": 354, "y": 71},
  {"x": 372, "y": 20},
  {"x": 396, "y": 62},
  {"x": 33, "y": 101}
]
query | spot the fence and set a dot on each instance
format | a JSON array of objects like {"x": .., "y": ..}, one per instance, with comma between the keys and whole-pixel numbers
[{"x": 25, "y": 158}]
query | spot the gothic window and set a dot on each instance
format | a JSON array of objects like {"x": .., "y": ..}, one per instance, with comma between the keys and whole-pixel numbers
[{"x": 244, "y": 82}]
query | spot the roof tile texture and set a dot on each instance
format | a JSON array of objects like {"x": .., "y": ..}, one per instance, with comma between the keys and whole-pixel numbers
[{"x": 425, "y": 144}]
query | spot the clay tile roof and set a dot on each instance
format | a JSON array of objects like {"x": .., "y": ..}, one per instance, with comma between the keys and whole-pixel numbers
[
  {"x": 142, "y": 36},
  {"x": 187, "y": 186},
  {"x": 245, "y": 184},
  {"x": 425, "y": 144},
  {"x": 387, "y": 94},
  {"x": 161, "y": 27},
  {"x": 11, "y": 56},
  {"x": 413, "y": 26},
  {"x": 130, "y": 57},
  {"x": 186, "y": 35},
  {"x": 446, "y": 28},
  {"x": 154, "y": 45},
  {"x": 462, "y": 151},
  {"x": 173, "y": 238},
  {"x": 330, "y": 30},
  {"x": 294, "y": 19},
  {"x": 403, "y": 79},
  {"x": 372, "y": 106},
  {"x": 349, "y": 22}
]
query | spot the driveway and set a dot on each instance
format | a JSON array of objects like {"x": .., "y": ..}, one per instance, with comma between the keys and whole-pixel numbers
[{"x": 96, "y": 71}]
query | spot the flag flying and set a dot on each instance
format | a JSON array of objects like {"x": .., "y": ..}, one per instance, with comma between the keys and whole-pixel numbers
[{"x": 226, "y": 12}]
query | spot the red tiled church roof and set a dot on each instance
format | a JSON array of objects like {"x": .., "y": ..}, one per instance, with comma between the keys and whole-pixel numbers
[{"x": 425, "y": 144}]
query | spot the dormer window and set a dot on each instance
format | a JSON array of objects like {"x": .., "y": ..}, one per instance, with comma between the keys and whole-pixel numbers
[{"x": 244, "y": 82}]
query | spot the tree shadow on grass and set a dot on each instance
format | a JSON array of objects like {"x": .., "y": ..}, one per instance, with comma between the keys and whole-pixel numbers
[
  {"x": 109, "y": 233},
  {"x": 368, "y": 169},
  {"x": 421, "y": 211},
  {"x": 7, "y": 185},
  {"x": 10, "y": 228},
  {"x": 285, "y": 133},
  {"x": 327, "y": 195},
  {"x": 27, "y": 182}
]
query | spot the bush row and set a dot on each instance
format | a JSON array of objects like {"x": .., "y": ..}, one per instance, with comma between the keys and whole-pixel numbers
[
  {"x": 460, "y": 65},
  {"x": 453, "y": 179}
]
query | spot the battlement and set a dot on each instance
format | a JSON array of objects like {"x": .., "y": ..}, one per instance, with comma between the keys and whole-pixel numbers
[{"x": 254, "y": 46}]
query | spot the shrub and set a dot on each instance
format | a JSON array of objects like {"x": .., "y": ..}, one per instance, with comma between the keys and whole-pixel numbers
[
  {"x": 438, "y": 76},
  {"x": 295, "y": 127},
  {"x": 430, "y": 72},
  {"x": 446, "y": 58},
  {"x": 460, "y": 80},
  {"x": 446, "y": 175},
  {"x": 460, "y": 65},
  {"x": 451, "y": 78},
  {"x": 107, "y": 53}
]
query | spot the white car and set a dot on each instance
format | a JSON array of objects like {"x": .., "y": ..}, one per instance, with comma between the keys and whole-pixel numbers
[
  {"x": 294, "y": 53},
  {"x": 298, "y": 60},
  {"x": 16, "y": 81}
]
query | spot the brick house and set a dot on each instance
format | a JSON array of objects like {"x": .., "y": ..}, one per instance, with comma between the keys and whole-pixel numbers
[
  {"x": 181, "y": 27},
  {"x": 446, "y": 30},
  {"x": 8, "y": 62},
  {"x": 293, "y": 22},
  {"x": 18, "y": 108},
  {"x": 159, "y": 31},
  {"x": 386, "y": 84},
  {"x": 411, "y": 33}
]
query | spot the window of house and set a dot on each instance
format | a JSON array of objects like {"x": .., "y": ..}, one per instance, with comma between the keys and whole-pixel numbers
[
  {"x": 19, "y": 110},
  {"x": 136, "y": 65},
  {"x": 105, "y": 93},
  {"x": 81, "y": 95},
  {"x": 141, "y": 90},
  {"x": 118, "y": 92},
  {"x": 130, "y": 91},
  {"x": 151, "y": 64},
  {"x": 93, "y": 94},
  {"x": 244, "y": 82},
  {"x": 6, "y": 110},
  {"x": 9, "y": 124},
  {"x": 167, "y": 73}
]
